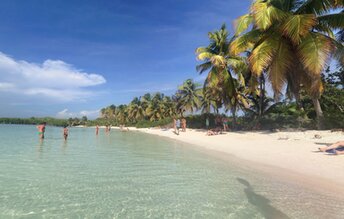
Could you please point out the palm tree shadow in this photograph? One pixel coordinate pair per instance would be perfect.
(262, 203)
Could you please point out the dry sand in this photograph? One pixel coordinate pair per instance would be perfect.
(293, 153)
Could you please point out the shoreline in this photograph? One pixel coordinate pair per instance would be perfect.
(290, 156)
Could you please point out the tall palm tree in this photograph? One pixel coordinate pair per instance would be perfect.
(190, 96)
(292, 40)
(209, 101)
(221, 64)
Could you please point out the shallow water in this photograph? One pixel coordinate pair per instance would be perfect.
(135, 175)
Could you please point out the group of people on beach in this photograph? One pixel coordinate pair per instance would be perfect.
(179, 123)
(221, 125)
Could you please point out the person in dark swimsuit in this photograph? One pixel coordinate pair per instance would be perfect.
(335, 147)
(65, 133)
(41, 130)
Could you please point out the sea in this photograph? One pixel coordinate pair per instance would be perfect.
(137, 175)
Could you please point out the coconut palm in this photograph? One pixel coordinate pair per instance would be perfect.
(122, 114)
(259, 106)
(292, 41)
(221, 66)
(189, 95)
(135, 110)
(155, 107)
(210, 100)
(169, 107)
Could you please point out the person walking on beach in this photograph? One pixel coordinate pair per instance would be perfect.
(335, 146)
(174, 125)
(207, 123)
(41, 130)
(97, 129)
(183, 124)
(177, 126)
(65, 133)
(225, 123)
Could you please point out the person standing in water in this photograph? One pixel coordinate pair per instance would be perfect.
(97, 129)
(65, 133)
(41, 130)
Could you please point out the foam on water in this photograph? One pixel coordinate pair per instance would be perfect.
(134, 175)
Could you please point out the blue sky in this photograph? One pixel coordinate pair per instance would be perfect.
(71, 58)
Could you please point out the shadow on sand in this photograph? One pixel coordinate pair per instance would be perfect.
(262, 203)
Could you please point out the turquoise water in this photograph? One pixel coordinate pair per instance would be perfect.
(135, 175)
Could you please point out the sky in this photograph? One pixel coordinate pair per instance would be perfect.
(71, 58)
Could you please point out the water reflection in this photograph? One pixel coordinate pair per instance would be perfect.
(262, 203)
(40, 148)
(64, 147)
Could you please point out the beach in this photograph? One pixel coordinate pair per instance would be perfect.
(293, 155)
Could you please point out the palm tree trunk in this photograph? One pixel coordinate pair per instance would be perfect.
(298, 102)
(319, 112)
(261, 96)
(234, 118)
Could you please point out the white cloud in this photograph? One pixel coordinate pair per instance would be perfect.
(91, 114)
(54, 79)
(6, 86)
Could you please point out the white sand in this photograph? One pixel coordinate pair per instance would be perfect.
(294, 152)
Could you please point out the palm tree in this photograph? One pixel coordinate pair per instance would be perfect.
(169, 107)
(259, 106)
(135, 110)
(220, 64)
(155, 108)
(190, 96)
(292, 40)
(209, 101)
(122, 114)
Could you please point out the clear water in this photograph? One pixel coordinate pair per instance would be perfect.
(135, 175)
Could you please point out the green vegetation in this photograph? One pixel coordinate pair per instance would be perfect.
(34, 121)
(48, 120)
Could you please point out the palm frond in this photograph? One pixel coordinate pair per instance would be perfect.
(204, 56)
(265, 14)
(324, 29)
(298, 26)
(280, 65)
(319, 6)
(314, 52)
(218, 60)
(244, 42)
(242, 23)
(334, 21)
(202, 49)
(339, 51)
(203, 67)
(261, 56)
